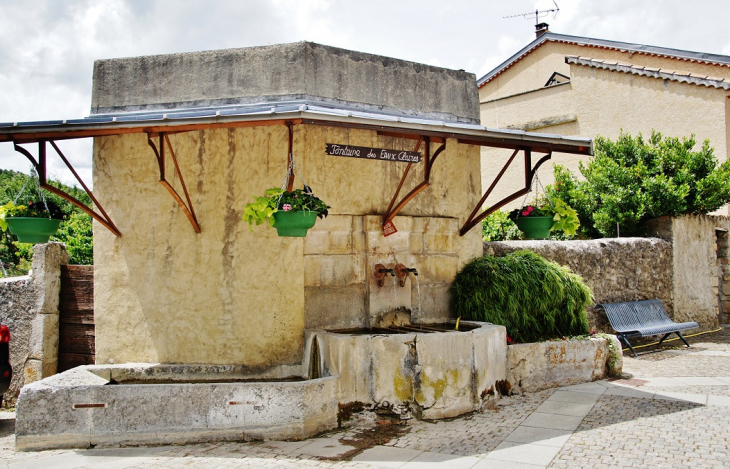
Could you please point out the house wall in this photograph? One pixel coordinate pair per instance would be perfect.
(231, 296)
(601, 102)
(534, 70)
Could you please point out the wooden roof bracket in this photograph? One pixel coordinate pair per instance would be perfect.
(160, 155)
(40, 167)
(428, 160)
(530, 171)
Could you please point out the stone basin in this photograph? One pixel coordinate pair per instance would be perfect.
(83, 407)
(423, 374)
(417, 374)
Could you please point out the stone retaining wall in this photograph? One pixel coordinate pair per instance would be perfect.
(616, 269)
(542, 365)
(29, 307)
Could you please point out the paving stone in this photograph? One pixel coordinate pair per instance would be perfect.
(552, 421)
(564, 408)
(428, 459)
(574, 397)
(630, 392)
(383, 456)
(524, 453)
(539, 436)
(681, 396)
(713, 400)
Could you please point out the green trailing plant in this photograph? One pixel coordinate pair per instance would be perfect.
(631, 180)
(534, 298)
(275, 199)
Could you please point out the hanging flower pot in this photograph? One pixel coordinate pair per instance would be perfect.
(535, 227)
(33, 230)
(294, 224)
(31, 223)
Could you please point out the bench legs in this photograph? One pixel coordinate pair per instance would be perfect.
(623, 338)
(678, 333)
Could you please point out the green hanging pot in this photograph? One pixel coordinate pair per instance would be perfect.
(534, 227)
(32, 230)
(294, 224)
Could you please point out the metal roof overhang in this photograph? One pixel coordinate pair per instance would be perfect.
(159, 125)
(29, 132)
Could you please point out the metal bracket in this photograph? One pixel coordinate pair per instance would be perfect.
(160, 155)
(40, 167)
(473, 220)
(428, 161)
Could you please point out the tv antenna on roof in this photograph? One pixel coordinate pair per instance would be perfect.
(538, 13)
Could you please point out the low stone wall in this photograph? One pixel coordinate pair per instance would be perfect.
(29, 307)
(541, 365)
(616, 269)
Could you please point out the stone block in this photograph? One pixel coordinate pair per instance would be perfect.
(440, 225)
(335, 307)
(415, 241)
(541, 365)
(490, 357)
(433, 304)
(436, 268)
(444, 373)
(331, 223)
(47, 261)
(439, 243)
(334, 270)
(393, 368)
(44, 338)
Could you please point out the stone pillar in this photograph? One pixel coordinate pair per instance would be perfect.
(42, 358)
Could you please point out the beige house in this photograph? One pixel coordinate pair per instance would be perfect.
(571, 85)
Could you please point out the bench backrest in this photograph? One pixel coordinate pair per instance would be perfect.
(636, 315)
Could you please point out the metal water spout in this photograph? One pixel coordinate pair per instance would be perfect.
(402, 273)
(380, 272)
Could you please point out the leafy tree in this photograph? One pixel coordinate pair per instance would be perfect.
(75, 230)
(631, 180)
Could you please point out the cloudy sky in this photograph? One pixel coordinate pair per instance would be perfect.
(48, 47)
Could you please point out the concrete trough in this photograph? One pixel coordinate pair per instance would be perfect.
(86, 406)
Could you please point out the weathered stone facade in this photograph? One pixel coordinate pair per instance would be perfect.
(616, 269)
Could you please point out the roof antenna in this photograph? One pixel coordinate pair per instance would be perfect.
(540, 28)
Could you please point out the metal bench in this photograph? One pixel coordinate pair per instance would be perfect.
(641, 319)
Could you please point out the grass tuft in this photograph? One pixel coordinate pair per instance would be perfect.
(534, 298)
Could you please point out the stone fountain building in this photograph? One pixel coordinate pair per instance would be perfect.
(184, 291)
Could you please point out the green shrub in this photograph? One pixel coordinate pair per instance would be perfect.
(631, 180)
(497, 226)
(534, 298)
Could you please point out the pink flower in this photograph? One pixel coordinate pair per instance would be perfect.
(530, 208)
(286, 207)
(525, 213)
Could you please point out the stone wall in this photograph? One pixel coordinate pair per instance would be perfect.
(616, 269)
(230, 295)
(283, 72)
(29, 307)
(340, 254)
(697, 259)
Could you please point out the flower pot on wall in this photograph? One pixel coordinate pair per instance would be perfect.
(294, 224)
(32, 230)
(534, 227)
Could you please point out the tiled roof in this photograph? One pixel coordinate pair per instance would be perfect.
(674, 75)
(701, 57)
